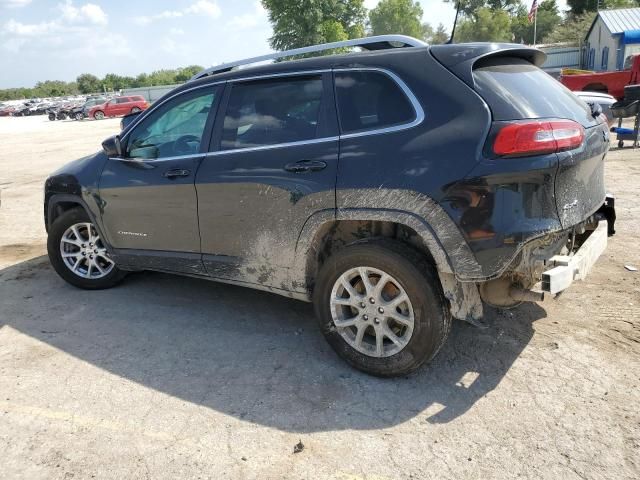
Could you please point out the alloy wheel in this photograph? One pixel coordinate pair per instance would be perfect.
(84, 253)
(372, 311)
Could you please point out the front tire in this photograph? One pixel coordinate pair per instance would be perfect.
(388, 329)
(78, 254)
(99, 115)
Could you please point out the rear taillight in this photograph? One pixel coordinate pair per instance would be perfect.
(535, 137)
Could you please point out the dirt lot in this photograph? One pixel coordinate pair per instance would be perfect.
(167, 377)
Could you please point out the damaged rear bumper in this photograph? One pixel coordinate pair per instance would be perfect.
(567, 269)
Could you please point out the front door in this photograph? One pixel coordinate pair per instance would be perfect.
(148, 196)
(273, 165)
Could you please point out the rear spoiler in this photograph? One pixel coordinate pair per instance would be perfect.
(460, 58)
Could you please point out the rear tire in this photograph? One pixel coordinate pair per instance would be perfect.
(412, 331)
(78, 247)
(52, 116)
(135, 110)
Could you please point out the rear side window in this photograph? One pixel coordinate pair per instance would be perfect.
(515, 89)
(271, 112)
(370, 101)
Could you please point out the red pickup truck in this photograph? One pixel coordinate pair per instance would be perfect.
(612, 83)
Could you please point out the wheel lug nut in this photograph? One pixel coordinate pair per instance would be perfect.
(362, 304)
(376, 321)
(372, 300)
(365, 317)
(380, 310)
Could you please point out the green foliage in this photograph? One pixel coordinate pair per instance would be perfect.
(485, 25)
(548, 20)
(470, 7)
(310, 22)
(88, 83)
(398, 17)
(49, 88)
(578, 7)
(573, 29)
(440, 36)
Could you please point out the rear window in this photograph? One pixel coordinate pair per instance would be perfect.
(369, 101)
(515, 89)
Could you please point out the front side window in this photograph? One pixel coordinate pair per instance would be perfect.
(174, 129)
(122, 100)
(370, 101)
(271, 112)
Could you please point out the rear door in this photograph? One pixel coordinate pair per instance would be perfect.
(148, 197)
(273, 164)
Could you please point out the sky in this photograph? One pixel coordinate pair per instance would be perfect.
(60, 39)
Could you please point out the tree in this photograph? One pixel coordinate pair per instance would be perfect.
(578, 7)
(547, 21)
(398, 17)
(573, 30)
(310, 22)
(470, 7)
(184, 74)
(88, 83)
(485, 25)
(440, 36)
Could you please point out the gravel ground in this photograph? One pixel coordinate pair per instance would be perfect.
(170, 377)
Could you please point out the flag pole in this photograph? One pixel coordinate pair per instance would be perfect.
(535, 25)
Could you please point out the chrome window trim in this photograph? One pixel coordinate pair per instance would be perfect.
(275, 145)
(151, 160)
(417, 108)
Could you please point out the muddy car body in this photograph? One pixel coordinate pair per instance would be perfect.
(396, 189)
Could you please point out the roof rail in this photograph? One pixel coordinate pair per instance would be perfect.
(379, 42)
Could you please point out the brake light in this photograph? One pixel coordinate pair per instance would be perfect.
(534, 137)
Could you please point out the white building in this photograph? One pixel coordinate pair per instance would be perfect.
(614, 36)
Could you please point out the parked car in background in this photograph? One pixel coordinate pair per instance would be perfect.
(119, 106)
(603, 99)
(612, 83)
(7, 110)
(82, 111)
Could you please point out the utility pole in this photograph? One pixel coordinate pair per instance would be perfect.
(535, 26)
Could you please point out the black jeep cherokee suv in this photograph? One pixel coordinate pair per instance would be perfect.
(396, 188)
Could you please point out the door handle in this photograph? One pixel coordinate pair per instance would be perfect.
(305, 166)
(176, 172)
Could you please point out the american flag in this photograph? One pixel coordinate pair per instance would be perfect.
(532, 12)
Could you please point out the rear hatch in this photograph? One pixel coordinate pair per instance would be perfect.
(517, 91)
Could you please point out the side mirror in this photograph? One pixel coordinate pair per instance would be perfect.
(112, 146)
(596, 109)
